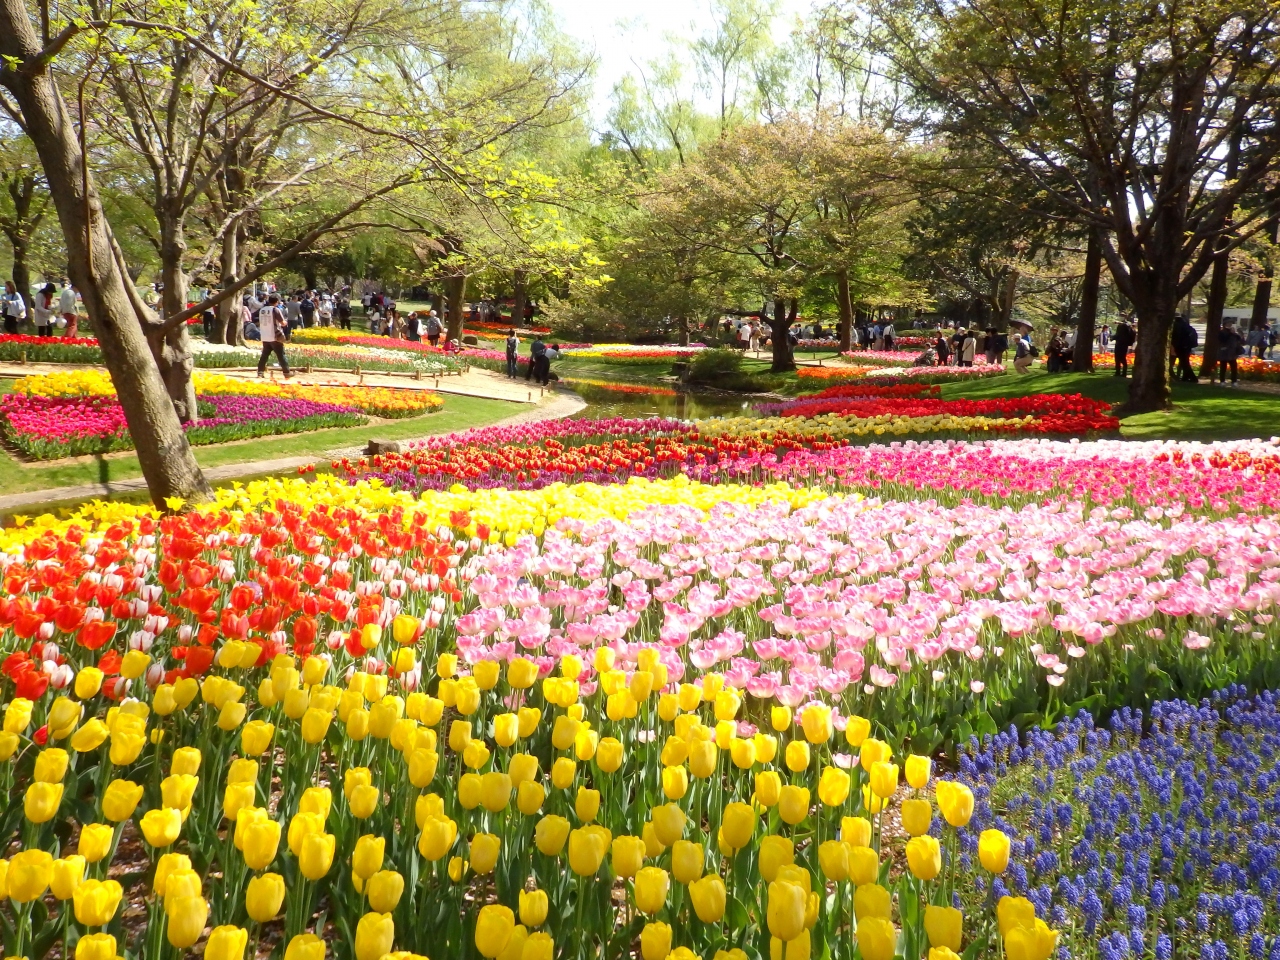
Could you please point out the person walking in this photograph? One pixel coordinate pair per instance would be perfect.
(1053, 352)
(293, 311)
(513, 349)
(537, 356)
(943, 350)
(889, 335)
(307, 308)
(344, 311)
(273, 329)
(1183, 340)
(1124, 340)
(434, 328)
(968, 349)
(1023, 354)
(744, 336)
(1104, 336)
(1230, 346)
(325, 309)
(43, 309)
(15, 308)
(68, 310)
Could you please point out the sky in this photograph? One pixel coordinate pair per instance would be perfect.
(624, 33)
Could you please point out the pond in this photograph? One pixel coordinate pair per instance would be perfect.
(683, 405)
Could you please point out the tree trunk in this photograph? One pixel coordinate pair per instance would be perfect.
(1262, 292)
(21, 273)
(683, 322)
(224, 331)
(22, 191)
(519, 293)
(1082, 361)
(845, 303)
(173, 350)
(168, 465)
(1008, 292)
(1149, 388)
(783, 359)
(455, 289)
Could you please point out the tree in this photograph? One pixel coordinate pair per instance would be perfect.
(23, 204)
(94, 260)
(1120, 112)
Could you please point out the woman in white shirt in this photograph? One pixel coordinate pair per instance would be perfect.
(968, 349)
(43, 310)
(14, 307)
(68, 309)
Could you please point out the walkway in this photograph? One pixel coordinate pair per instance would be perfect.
(555, 405)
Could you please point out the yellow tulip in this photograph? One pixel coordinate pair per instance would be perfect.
(627, 856)
(422, 767)
(864, 865)
(95, 901)
(166, 866)
(955, 800)
(522, 673)
(587, 847)
(51, 765)
(237, 797)
(494, 928)
(742, 753)
(529, 798)
(177, 790)
(357, 724)
(316, 856)
(28, 875)
(226, 943)
(833, 787)
(41, 801)
(917, 815)
(529, 718)
(470, 790)
(181, 882)
(437, 837)
(232, 715)
(1036, 942)
(562, 773)
(550, 834)
(89, 737)
(884, 779)
(872, 752)
(305, 946)
(366, 859)
(856, 730)
(739, 824)
(793, 804)
(655, 941)
(917, 770)
(942, 953)
(993, 851)
(187, 917)
(651, 885)
(522, 768)
(264, 896)
(797, 756)
(384, 890)
(780, 718)
(816, 722)
(944, 926)
(533, 907)
(1012, 912)
(96, 946)
(786, 910)
(539, 946)
(775, 853)
(68, 873)
(609, 755)
(483, 851)
(856, 831)
(587, 804)
(703, 755)
(161, 826)
(709, 897)
(564, 732)
(255, 737)
(833, 858)
(871, 900)
(17, 715)
(924, 857)
(317, 801)
(95, 841)
(375, 933)
(88, 682)
(457, 869)
(768, 788)
(363, 801)
(315, 725)
(877, 939)
(675, 782)
(668, 823)
(687, 861)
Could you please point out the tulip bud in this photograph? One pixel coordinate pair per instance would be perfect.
(264, 896)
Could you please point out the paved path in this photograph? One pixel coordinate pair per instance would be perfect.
(556, 405)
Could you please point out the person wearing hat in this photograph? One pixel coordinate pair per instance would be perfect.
(43, 310)
(1230, 346)
(68, 310)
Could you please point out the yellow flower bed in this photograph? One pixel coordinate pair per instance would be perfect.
(837, 425)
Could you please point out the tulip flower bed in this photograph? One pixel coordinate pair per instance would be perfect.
(15, 346)
(614, 386)
(1152, 837)
(879, 358)
(915, 374)
(383, 355)
(660, 719)
(629, 353)
(76, 413)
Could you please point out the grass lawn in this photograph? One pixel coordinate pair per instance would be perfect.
(458, 413)
(1200, 412)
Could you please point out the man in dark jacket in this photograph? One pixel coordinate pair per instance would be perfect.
(1184, 339)
(1230, 346)
(1123, 341)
